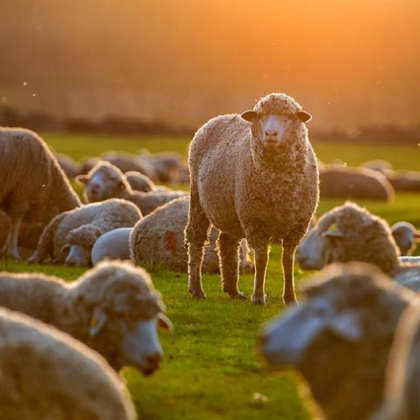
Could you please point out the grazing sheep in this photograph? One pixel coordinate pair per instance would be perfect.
(159, 241)
(107, 181)
(257, 181)
(113, 245)
(340, 337)
(403, 384)
(346, 182)
(70, 167)
(406, 236)
(139, 182)
(31, 181)
(350, 233)
(112, 308)
(404, 181)
(70, 236)
(46, 374)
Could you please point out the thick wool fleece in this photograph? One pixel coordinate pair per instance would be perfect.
(82, 225)
(46, 374)
(352, 387)
(247, 190)
(121, 290)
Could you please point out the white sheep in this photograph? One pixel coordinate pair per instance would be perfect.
(340, 337)
(113, 245)
(158, 240)
(31, 182)
(107, 181)
(70, 236)
(46, 374)
(112, 308)
(257, 181)
(350, 233)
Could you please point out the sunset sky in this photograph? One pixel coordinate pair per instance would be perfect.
(349, 63)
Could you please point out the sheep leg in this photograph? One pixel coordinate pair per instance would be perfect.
(228, 250)
(261, 261)
(288, 259)
(196, 237)
(13, 250)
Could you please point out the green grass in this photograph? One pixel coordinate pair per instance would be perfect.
(212, 368)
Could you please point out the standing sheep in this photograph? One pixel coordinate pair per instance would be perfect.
(350, 233)
(105, 181)
(257, 181)
(31, 181)
(70, 236)
(158, 239)
(113, 308)
(340, 338)
(45, 374)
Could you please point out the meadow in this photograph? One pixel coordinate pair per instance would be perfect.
(212, 369)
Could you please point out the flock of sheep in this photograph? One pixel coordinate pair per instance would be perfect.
(254, 180)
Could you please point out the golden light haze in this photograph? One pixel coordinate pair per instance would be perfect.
(350, 63)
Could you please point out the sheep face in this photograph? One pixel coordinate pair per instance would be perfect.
(405, 236)
(77, 256)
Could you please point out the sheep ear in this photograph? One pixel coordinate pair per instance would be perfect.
(121, 185)
(347, 325)
(97, 321)
(164, 322)
(304, 116)
(82, 179)
(249, 116)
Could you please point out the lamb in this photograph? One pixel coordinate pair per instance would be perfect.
(113, 245)
(340, 337)
(406, 236)
(257, 181)
(350, 233)
(346, 182)
(112, 308)
(31, 181)
(107, 181)
(158, 240)
(402, 385)
(46, 374)
(70, 236)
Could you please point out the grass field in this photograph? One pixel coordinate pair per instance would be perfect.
(212, 369)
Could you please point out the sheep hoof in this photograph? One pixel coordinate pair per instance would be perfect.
(237, 295)
(198, 294)
(289, 300)
(258, 300)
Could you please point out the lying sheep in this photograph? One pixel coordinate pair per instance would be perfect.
(257, 181)
(70, 236)
(340, 338)
(346, 182)
(107, 181)
(159, 241)
(406, 236)
(403, 373)
(45, 374)
(350, 233)
(139, 182)
(112, 308)
(31, 181)
(404, 181)
(113, 245)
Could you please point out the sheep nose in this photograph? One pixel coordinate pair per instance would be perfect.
(271, 133)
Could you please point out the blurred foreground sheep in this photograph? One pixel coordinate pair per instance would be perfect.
(45, 374)
(340, 338)
(113, 308)
(253, 176)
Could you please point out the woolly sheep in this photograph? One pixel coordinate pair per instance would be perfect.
(159, 241)
(113, 308)
(70, 236)
(113, 245)
(139, 182)
(346, 182)
(257, 181)
(31, 181)
(406, 236)
(46, 374)
(106, 181)
(340, 337)
(404, 181)
(350, 233)
(403, 373)
(168, 165)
